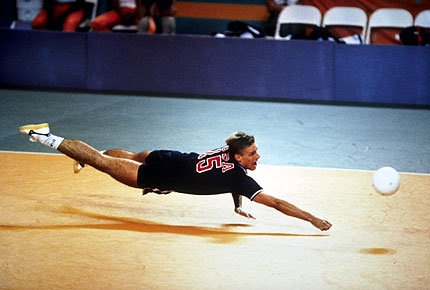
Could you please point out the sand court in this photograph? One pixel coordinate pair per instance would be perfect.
(60, 230)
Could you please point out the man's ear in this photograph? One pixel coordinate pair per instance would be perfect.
(237, 157)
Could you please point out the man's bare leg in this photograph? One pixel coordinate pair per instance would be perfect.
(123, 170)
(120, 153)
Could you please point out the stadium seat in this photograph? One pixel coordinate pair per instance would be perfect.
(298, 14)
(423, 19)
(388, 18)
(346, 16)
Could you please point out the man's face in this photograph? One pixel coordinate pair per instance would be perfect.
(248, 158)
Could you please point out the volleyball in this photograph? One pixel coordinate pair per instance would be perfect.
(386, 180)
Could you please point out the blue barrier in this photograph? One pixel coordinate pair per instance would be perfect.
(209, 66)
(382, 74)
(216, 67)
(42, 59)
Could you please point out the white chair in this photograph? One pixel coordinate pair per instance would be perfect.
(346, 16)
(423, 19)
(389, 18)
(298, 14)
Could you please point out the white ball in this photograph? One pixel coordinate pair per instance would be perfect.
(386, 180)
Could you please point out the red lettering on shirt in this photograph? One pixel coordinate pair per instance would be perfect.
(218, 161)
(226, 166)
(209, 163)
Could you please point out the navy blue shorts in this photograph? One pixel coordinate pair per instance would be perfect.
(164, 169)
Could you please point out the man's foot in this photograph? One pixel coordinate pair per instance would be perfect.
(37, 132)
(77, 166)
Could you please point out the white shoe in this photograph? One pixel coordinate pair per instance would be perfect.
(37, 132)
(77, 166)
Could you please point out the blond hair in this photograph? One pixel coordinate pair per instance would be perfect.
(238, 141)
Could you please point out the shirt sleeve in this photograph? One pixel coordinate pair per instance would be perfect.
(247, 187)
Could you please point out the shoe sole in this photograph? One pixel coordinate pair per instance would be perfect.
(26, 129)
(77, 167)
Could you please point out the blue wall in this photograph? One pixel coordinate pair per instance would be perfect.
(206, 66)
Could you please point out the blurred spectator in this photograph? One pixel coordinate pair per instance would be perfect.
(274, 7)
(124, 12)
(162, 12)
(63, 15)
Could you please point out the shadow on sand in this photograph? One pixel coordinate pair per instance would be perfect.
(220, 235)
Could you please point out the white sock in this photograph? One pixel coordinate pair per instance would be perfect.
(50, 141)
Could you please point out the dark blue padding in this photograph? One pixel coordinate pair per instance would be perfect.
(393, 74)
(216, 67)
(210, 66)
(42, 59)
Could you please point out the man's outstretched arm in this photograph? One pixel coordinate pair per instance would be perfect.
(291, 210)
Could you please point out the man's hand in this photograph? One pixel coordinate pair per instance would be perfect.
(321, 224)
(240, 211)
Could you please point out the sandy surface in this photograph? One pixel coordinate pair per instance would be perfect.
(59, 230)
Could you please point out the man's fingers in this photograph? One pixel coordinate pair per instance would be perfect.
(240, 211)
(251, 216)
(325, 225)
